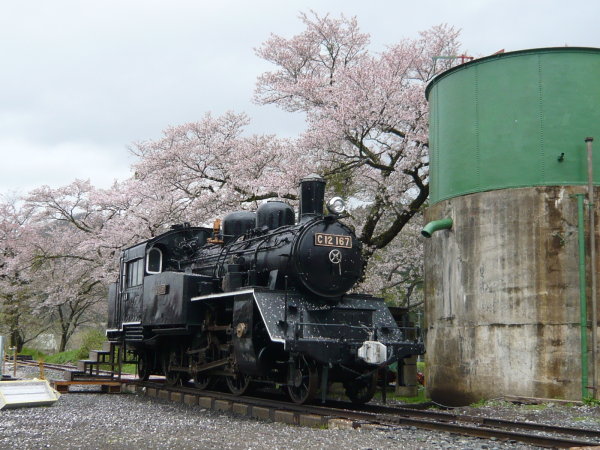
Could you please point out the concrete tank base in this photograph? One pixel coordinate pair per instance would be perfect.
(502, 296)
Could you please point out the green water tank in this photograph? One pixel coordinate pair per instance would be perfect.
(514, 120)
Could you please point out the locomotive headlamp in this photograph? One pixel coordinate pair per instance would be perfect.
(336, 206)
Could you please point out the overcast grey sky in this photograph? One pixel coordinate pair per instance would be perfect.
(82, 80)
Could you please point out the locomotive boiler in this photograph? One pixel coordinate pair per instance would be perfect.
(260, 299)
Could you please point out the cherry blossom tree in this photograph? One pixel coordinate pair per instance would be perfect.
(396, 271)
(16, 314)
(366, 114)
(199, 171)
(60, 257)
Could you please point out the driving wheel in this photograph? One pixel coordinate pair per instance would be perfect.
(203, 379)
(172, 377)
(238, 384)
(362, 389)
(303, 380)
(144, 366)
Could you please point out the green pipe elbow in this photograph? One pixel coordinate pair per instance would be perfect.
(436, 225)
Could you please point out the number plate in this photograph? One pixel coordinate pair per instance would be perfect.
(333, 240)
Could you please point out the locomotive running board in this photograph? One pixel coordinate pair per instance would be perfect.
(286, 315)
(221, 294)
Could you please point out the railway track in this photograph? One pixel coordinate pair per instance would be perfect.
(386, 416)
(393, 416)
(60, 367)
(484, 421)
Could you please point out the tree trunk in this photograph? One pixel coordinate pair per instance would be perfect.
(16, 340)
(63, 342)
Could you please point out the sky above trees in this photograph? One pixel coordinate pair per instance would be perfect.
(82, 81)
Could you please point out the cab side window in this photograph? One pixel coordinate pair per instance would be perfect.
(154, 260)
(135, 272)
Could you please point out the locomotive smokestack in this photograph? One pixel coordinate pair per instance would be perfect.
(312, 196)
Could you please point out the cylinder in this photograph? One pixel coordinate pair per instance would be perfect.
(507, 155)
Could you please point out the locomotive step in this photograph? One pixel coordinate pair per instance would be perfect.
(108, 346)
(99, 355)
(84, 365)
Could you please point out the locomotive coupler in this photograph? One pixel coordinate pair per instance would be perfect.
(373, 352)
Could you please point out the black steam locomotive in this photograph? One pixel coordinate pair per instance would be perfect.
(260, 299)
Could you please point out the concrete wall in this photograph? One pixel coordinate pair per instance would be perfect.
(502, 296)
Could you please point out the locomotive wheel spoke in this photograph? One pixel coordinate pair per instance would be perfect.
(303, 380)
(172, 378)
(238, 384)
(202, 381)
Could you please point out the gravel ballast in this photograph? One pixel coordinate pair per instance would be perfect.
(93, 420)
(127, 420)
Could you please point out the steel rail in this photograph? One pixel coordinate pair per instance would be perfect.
(487, 421)
(63, 367)
(388, 416)
(60, 367)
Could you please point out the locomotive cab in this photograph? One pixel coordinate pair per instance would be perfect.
(141, 268)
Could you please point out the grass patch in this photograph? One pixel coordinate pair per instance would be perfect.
(591, 401)
(35, 354)
(585, 419)
(129, 368)
(479, 404)
(419, 398)
(125, 368)
(69, 356)
(92, 340)
(538, 407)
(73, 356)
(492, 402)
